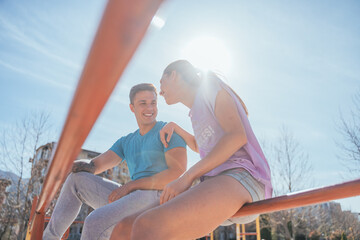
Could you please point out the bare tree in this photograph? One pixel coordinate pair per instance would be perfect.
(291, 171)
(17, 145)
(350, 130)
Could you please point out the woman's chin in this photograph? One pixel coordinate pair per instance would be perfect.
(170, 103)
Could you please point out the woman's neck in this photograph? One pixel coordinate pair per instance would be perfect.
(189, 94)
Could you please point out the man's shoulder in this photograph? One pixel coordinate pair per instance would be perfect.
(130, 135)
(160, 124)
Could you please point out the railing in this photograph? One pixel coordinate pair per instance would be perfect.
(303, 198)
(121, 29)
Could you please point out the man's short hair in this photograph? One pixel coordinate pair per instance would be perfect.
(141, 87)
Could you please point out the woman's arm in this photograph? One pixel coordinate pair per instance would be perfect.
(234, 138)
(169, 130)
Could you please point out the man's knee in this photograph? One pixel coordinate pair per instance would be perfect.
(75, 178)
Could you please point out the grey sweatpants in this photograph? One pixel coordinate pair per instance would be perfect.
(93, 190)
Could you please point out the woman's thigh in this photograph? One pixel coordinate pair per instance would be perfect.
(193, 213)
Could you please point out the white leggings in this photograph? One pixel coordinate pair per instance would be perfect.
(93, 190)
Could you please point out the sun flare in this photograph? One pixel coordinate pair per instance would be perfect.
(208, 53)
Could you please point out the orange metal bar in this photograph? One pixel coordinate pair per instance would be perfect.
(238, 236)
(243, 236)
(37, 226)
(122, 27)
(32, 212)
(258, 237)
(293, 200)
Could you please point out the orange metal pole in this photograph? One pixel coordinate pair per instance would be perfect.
(122, 27)
(238, 233)
(258, 228)
(32, 212)
(293, 200)
(243, 232)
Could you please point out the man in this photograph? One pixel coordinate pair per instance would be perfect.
(151, 167)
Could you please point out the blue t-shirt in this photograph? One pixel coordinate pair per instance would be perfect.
(145, 155)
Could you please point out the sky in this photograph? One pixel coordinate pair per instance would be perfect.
(294, 63)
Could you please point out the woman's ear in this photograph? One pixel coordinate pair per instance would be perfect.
(173, 75)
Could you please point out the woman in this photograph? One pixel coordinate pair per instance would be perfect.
(233, 168)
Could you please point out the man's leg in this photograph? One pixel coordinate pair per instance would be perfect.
(79, 188)
(100, 223)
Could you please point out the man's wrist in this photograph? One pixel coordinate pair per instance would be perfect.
(130, 187)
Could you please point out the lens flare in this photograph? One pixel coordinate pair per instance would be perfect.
(208, 53)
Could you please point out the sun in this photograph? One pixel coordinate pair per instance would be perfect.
(208, 53)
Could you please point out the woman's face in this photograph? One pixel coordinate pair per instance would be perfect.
(168, 87)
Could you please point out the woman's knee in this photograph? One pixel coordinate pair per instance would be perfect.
(145, 227)
(123, 229)
(141, 228)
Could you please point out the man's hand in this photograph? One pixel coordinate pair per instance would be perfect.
(120, 192)
(83, 165)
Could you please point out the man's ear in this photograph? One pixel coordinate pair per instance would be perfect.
(131, 107)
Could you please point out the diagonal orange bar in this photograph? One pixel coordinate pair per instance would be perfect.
(304, 198)
(121, 29)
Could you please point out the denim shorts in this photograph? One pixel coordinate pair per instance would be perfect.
(255, 188)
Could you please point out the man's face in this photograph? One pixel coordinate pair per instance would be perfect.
(145, 107)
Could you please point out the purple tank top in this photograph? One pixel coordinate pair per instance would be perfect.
(208, 132)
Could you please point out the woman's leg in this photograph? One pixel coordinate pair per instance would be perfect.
(193, 213)
(123, 229)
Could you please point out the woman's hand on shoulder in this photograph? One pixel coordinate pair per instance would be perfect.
(166, 133)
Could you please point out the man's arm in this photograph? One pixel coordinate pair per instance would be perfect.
(176, 161)
(97, 165)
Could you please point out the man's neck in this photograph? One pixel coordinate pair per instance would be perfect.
(144, 129)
